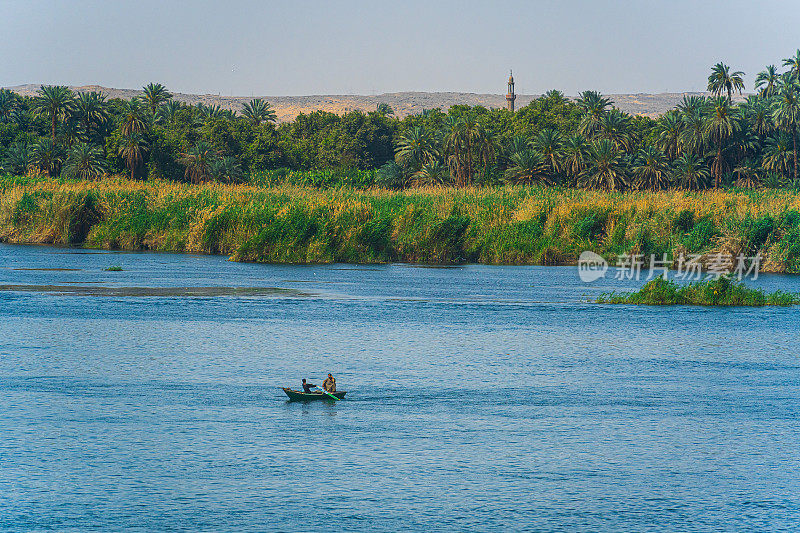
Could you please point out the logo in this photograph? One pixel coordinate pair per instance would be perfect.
(591, 266)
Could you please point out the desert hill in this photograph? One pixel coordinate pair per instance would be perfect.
(403, 103)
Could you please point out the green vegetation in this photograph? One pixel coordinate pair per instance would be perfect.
(554, 140)
(114, 268)
(300, 224)
(722, 291)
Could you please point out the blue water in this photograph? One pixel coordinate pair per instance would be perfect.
(479, 399)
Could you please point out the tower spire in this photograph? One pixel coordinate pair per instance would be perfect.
(510, 96)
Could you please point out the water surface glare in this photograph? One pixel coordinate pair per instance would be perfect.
(479, 399)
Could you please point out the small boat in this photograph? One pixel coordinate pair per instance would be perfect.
(297, 396)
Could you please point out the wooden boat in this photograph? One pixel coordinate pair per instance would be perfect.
(297, 396)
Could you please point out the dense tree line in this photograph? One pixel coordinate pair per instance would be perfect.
(704, 142)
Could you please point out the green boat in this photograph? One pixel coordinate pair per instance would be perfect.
(297, 396)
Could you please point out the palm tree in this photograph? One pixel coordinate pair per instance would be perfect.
(433, 173)
(48, 157)
(8, 102)
(778, 154)
(651, 169)
(527, 166)
(18, 158)
(464, 138)
(415, 148)
(91, 111)
(384, 109)
(794, 65)
(616, 127)
(575, 151)
(210, 111)
(748, 175)
(692, 136)
(258, 111)
(548, 144)
(53, 103)
(198, 162)
(133, 117)
(168, 112)
(155, 94)
(721, 79)
(767, 81)
(786, 114)
(758, 111)
(669, 128)
(228, 169)
(593, 105)
(132, 148)
(691, 172)
(721, 124)
(85, 162)
(605, 169)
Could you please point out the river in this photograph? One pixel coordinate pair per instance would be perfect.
(479, 399)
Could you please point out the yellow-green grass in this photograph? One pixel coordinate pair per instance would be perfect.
(503, 225)
(722, 291)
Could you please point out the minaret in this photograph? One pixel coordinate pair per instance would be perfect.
(510, 96)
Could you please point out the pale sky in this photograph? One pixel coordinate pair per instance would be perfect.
(339, 47)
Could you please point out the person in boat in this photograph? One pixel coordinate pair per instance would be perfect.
(308, 386)
(329, 384)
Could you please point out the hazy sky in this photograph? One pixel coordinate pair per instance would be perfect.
(335, 47)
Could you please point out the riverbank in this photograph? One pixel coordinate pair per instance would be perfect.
(507, 225)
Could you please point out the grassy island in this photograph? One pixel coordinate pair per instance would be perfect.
(722, 291)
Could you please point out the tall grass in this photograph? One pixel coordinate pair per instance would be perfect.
(278, 222)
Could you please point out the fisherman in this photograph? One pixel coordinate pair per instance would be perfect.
(307, 386)
(329, 384)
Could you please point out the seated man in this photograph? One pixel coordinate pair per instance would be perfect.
(307, 386)
(329, 384)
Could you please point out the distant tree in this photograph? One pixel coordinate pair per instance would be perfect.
(132, 148)
(722, 80)
(778, 154)
(691, 172)
(593, 106)
(133, 119)
(431, 174)
(670, 128)
(168, 111)
(53, 103)
(48, 157)
(605, 169)
(257, 111)
(415, 148)
(527, 167)
(85, 162)
(767, 81)
(384, 109)
(548, 144)
(155, 94)
(198, 162)
(651, 169)
(794, 66)
(227, 169)
(616, 127)
(18, 158)
(575, 151)
(786, 114)
(721, 124)
(748, 175)
(91, 111)
(8, 102)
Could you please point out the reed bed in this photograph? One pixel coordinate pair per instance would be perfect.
(303, 224)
